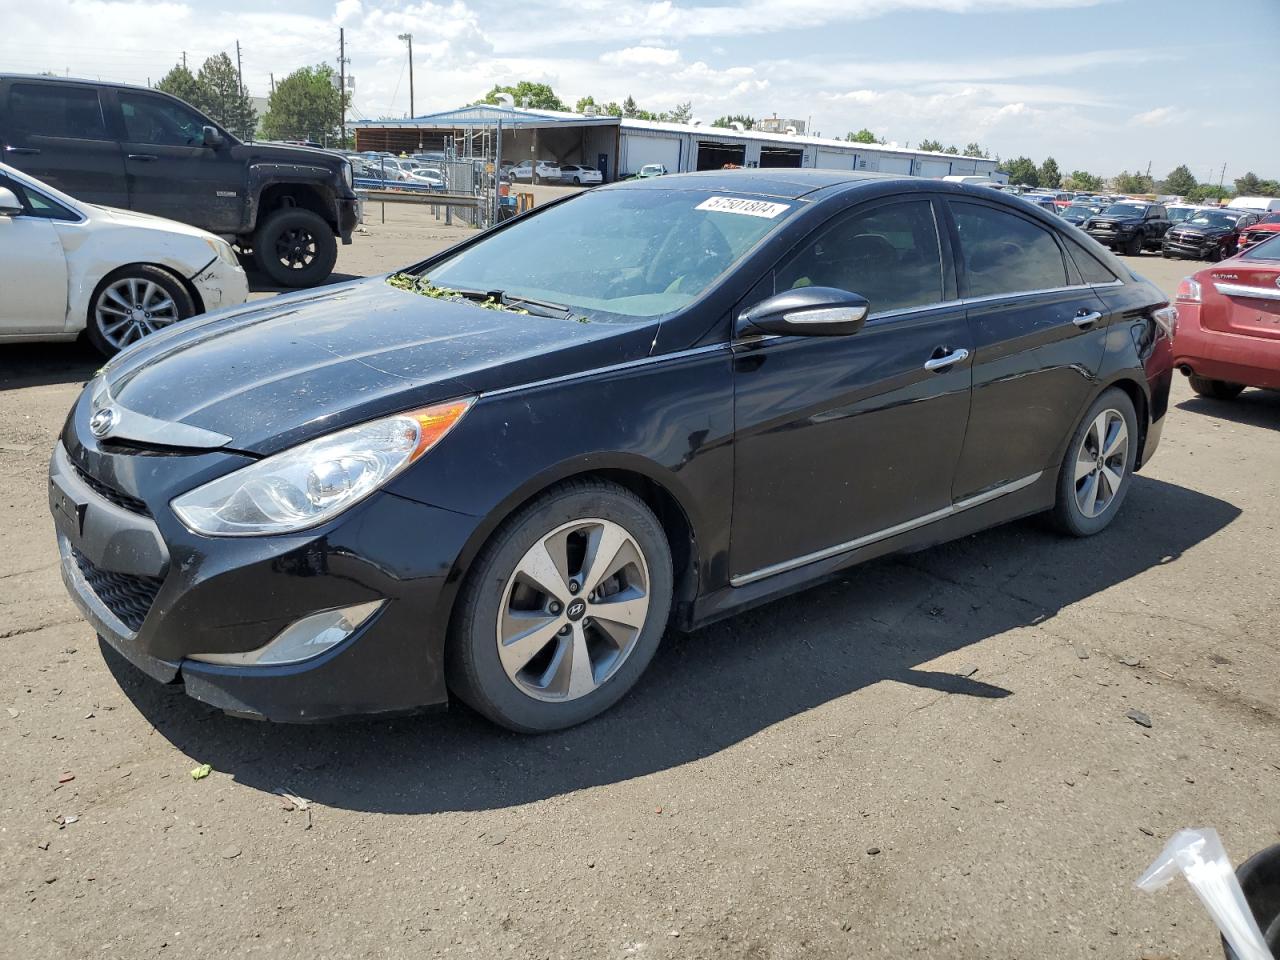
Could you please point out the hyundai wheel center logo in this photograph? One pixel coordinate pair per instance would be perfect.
(100, 423)
(576, 609)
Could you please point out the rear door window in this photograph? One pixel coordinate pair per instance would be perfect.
(1091, 268)
(68, 111)
(890, 255)
(1005, 254)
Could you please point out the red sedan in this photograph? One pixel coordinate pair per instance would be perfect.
(1228, 333)
(1264, 229)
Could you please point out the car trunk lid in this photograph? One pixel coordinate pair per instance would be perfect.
(1244, 298)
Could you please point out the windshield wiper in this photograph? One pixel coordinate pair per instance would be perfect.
(542, 308)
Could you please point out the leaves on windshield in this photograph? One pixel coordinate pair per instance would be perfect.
(425, 288)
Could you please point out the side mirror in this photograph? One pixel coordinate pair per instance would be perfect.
(809, 312)
(212, 138)
(10, 205)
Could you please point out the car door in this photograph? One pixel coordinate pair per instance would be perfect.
(171, 173)
(842, 439)
(1039, 334)
(58, 133)
(33, 266)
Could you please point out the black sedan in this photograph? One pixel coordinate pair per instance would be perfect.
(503, 472)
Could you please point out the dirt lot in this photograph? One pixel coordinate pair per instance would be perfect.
(930, 757)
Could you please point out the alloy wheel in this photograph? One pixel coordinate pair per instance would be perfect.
(130, 308)
(296, 248)
(1101, 460)
(573, 609)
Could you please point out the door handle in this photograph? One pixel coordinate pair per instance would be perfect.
(143, 156)
(934, 364)
(1085, 319)
(21, 150)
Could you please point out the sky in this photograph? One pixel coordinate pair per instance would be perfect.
(1100, 85)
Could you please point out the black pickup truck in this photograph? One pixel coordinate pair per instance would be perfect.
(1129, 227)
(139, 149)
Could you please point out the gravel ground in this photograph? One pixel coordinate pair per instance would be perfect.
(930, 756)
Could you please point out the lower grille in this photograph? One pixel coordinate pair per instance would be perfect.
(127, 596)
(111, 494)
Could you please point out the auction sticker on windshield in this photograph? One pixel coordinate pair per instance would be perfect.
(751, 208)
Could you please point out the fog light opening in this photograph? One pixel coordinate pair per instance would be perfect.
(301, 640)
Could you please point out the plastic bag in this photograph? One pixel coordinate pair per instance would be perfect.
(1200, 857)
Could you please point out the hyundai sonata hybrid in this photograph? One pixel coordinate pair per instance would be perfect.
(503, 472)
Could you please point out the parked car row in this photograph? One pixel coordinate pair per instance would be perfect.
(550, 171)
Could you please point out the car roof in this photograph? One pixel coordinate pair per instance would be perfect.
(790, 183)
(81, 81)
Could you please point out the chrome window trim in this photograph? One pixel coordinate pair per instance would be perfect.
(866, 540)
(612, 368)
(1243, 290)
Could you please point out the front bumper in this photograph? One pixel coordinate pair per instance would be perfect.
(1109, 238)
(221, 284)
(1185, 248)
(348, 212)
(158, 593)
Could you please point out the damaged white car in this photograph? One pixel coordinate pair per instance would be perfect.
(68, 267)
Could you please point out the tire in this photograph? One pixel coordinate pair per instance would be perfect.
(541, 696)
(295, 247)
(1215, 389)
(1133, 248)
(1073, 513)
(578, 181)
(132, 302)
(1220, 252)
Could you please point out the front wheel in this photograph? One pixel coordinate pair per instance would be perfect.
(562, 610)
(1220, 252)
(133, 302)
(1133, 247)
(1097, 470)
(295, 247)
(1216, 389)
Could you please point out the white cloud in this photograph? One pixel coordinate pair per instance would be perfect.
(641, 57)
(1157, 117)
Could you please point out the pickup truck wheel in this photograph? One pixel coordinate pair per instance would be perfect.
(295, 247)
(1221, 252)
(133, 302)
(1217, 389)
(1133, 247)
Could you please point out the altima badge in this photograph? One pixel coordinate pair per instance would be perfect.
(100, 423)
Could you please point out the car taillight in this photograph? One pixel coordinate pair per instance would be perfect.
(1188, 291)
(1167, 318)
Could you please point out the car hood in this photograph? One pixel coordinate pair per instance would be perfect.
(1200, 230)
(143, 221)
(1125, 221)
(278, 372)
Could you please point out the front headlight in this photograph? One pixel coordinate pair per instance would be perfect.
(317, 480)
(346, 171)
(222, 250)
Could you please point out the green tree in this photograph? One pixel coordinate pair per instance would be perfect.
(1180, 181)
(953, 150)
(1249, 185)
(583, 103)
(1082, 180)
(224, 100)
(526, 93)
(1050, 175)
(1126, 182)
(613, 108)
(862, 136)
(1022, 170)
(681, 113)
(728, 121)
(182, 83)
(975, 150)
(1209, 191)
(629, 107)
(304, 106)
(931, 146)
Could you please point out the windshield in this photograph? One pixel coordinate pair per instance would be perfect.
(1266, 250)
(1178, 214)
(617, 255)
(1213, 218)
(1125, 210)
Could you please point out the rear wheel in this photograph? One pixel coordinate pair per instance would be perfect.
(132, 302)
(562, 610)
(1217, 389)
(295, 247)
(1095, 474)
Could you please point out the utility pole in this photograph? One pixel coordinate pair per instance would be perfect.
(408, 38)
(184, 59)
(342, 86)
(239, 74)
(1222, 176)
(273, 82)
